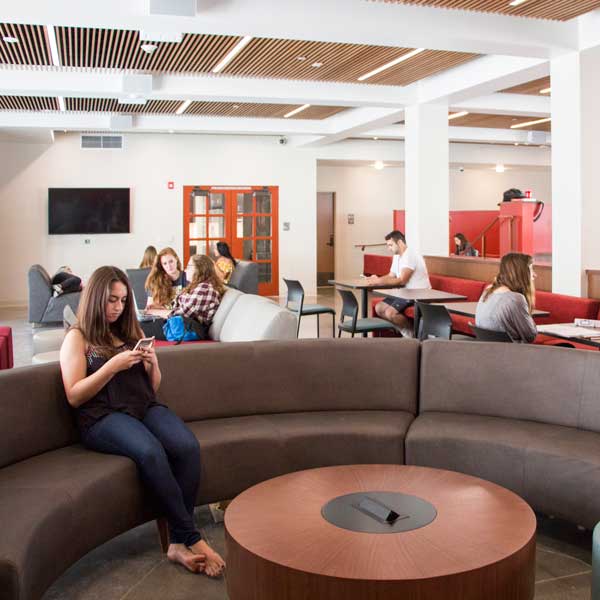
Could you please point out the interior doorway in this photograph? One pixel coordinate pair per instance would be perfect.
(325, 237)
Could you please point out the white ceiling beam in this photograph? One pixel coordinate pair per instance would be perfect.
(506, 104)
(70, 82)
(349, 21)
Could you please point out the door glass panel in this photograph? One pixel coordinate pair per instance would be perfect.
(216, 227)
(263, 202)
(198, 227)
(247, 251)
(198, 202)
(264, 272)
(212, 248)
(216, 204)
(244, 203)
(263, 226)
(197, 247)
(263, 249)
(247, 230)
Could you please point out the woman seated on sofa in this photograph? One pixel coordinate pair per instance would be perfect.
(112, 388)
(165, 281)
(225, 263)
(148, 258)
(507, 303)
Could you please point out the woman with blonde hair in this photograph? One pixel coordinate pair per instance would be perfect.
(506, 305)
(166, 280)
(112, 386)
(148, 258)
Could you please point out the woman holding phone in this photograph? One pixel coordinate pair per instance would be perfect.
(112, 387)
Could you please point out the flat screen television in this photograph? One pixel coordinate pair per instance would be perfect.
(88, 210)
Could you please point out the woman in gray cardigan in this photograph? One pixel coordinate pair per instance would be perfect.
(506, 305)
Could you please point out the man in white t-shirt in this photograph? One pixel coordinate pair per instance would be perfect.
(409, 271)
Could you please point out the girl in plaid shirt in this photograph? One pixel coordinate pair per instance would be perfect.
(201, 298)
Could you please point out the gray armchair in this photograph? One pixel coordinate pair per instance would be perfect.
(43, 307)
(245, 277)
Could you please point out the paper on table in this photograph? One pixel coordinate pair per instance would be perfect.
(568, 330)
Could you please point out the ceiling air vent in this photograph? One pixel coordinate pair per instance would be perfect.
(102, 141)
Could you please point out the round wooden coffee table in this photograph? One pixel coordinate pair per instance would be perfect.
(479, 545)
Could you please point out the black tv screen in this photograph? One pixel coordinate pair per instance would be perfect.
(88, 210)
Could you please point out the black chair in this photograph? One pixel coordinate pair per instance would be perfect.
(356, 325)
(137, 278)
(295, 298)
(435, 321)
(488, 335)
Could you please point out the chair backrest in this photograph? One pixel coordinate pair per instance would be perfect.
(488, 335)
(40, 292)
(137, 278)
(435, 322)
(295, 295)
(69, 317)
(349, 307)
(245, 277)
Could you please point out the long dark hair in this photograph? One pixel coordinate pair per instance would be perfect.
(515, 274)
(91, 314)
(223, 250)
(464, 242)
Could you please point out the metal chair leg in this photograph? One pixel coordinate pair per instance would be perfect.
(318, 331)
(298, 328)
(333, 325)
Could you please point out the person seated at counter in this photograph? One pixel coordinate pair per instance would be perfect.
(463, 246)
(507, 303)
(408, 270)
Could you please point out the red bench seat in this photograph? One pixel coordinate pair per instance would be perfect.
(6, 348)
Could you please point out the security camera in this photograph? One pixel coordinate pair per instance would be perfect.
(283, 140)
(461, 169)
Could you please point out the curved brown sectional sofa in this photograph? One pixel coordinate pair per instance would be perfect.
(527, 418)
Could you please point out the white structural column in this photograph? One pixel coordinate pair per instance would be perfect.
(575, 170)
(427, 178)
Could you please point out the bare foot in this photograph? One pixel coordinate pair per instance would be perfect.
(192, 561)
(214, 563)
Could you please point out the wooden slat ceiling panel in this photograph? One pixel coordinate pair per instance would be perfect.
(112, 105)
(531, 87)
(497, 122)
(269, 111)
(31, 49)
(28, 103)
(557, 10)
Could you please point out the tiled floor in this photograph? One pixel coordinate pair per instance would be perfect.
(131, 567)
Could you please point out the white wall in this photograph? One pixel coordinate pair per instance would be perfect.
(145, 165)
(372, 195)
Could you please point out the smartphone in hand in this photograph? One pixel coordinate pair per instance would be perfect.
(144, 343)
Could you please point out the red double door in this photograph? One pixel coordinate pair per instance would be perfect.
(245, 218)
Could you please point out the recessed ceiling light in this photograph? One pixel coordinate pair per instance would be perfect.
(317, 65)
(375, 138)
(236, 106)
(183, 107)
(9, 39)
(378, 164)
(149, 48)
(457, 115)
(500, 168)
(516, 143)
(546, 90)
(232, 53)
(529, 123)
(296, 111)
(300, 57)
(53, 45)
(392, 63)
(517, 2)
(171, 131)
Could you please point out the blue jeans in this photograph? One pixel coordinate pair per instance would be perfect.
(167, 455)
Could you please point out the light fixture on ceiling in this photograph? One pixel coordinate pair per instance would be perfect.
(183, 107)
(530, 123)
(317, 65)
(235, 106)
(10, 39)
(546, 90)
(232, 53)
(457, 115)
(500, 168)
(53, 45)
(392, 63)
(149, 48)
(300, 57)
(171, 131)
(516, 143)
(517, 2)
(296, 111)
(61, 104)
(375, 138)
(379, 165)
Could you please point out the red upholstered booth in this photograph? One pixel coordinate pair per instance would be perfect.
(6, 348)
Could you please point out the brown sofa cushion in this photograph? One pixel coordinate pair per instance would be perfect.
(256, 378)
(557, 386)
(556, 469)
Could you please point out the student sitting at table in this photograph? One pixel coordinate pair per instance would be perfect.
(409, 271)
(506, 305)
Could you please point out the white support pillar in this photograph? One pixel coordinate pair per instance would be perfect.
(427, 178)
(575, 170)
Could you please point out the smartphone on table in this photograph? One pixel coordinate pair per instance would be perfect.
(144, 343)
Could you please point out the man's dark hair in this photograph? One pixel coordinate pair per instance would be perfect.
(396, 235)
(512, 194)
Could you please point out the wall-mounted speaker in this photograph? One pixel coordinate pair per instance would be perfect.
(178, 8)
